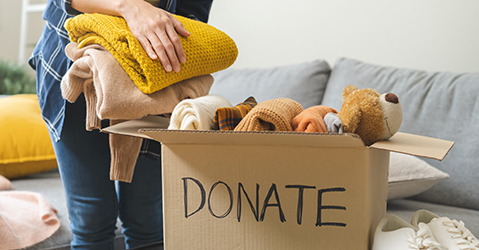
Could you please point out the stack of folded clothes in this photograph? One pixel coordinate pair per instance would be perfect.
(214, 112)
(120, 82)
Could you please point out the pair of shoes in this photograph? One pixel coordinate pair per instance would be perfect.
(451, 234)
(394, 233)
(427, 231)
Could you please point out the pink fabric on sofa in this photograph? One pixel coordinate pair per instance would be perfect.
(26, 218)
(5, 184)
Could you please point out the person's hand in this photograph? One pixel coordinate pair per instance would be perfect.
(157, 31)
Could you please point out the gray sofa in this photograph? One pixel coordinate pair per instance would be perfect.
(436, 104)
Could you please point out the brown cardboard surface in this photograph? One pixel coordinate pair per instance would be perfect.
(154, 127)
(343, 197)
(254, 138)
(416, 145)
(273, 190)
(132, 127)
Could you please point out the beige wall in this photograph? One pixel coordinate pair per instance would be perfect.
(10, 16)
(427, 34)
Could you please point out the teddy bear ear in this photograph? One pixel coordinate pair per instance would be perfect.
(348, 90)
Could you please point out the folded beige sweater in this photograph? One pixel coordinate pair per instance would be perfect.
(111, 94)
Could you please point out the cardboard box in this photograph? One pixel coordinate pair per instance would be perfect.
(269, 190)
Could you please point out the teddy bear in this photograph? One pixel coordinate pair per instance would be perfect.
(370, 115)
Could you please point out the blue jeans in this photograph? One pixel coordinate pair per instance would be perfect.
(94, 201)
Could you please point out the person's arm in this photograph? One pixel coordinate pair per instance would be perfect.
(155, 29)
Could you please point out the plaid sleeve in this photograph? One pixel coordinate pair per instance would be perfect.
(229, 117)
(66, 6)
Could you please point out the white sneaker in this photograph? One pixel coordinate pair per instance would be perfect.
(452, 234)
(394, 233)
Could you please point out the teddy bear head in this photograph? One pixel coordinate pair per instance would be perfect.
(370, 115)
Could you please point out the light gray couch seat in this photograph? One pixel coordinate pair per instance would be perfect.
(405, 208)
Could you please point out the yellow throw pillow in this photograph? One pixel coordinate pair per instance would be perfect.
(25, 146)
(207, 49)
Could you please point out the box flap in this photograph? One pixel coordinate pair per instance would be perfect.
(416, 145)
(131, 127)
(155, 127)
(266, 138)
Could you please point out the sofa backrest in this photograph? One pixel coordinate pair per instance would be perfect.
(303, 82)
(436, 104)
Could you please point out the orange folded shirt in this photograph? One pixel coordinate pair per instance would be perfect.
(312, 119)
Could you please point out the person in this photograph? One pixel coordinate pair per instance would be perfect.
(95, 202)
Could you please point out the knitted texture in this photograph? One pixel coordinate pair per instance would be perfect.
(198, 113)
(271, 115)
(110, 94)
(207, 49)
(124, 152)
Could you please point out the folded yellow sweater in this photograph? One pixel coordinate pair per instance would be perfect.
(207, 49)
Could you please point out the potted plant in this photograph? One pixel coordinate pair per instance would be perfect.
(15, 79)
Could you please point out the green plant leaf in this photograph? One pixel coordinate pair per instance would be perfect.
(15, 79)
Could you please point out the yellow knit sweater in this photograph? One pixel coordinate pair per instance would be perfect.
(207, 49)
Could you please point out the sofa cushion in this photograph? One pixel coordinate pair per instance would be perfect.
(435, 104)
(409, 175)
(304, 83)
(25, 146)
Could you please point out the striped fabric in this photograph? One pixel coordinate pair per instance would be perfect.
(227, 118)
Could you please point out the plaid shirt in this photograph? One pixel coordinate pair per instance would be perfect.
(50, 62)
(229, 117)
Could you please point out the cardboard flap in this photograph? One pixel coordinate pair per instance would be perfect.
(416, 145)
(267, 138)
(131, 127)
